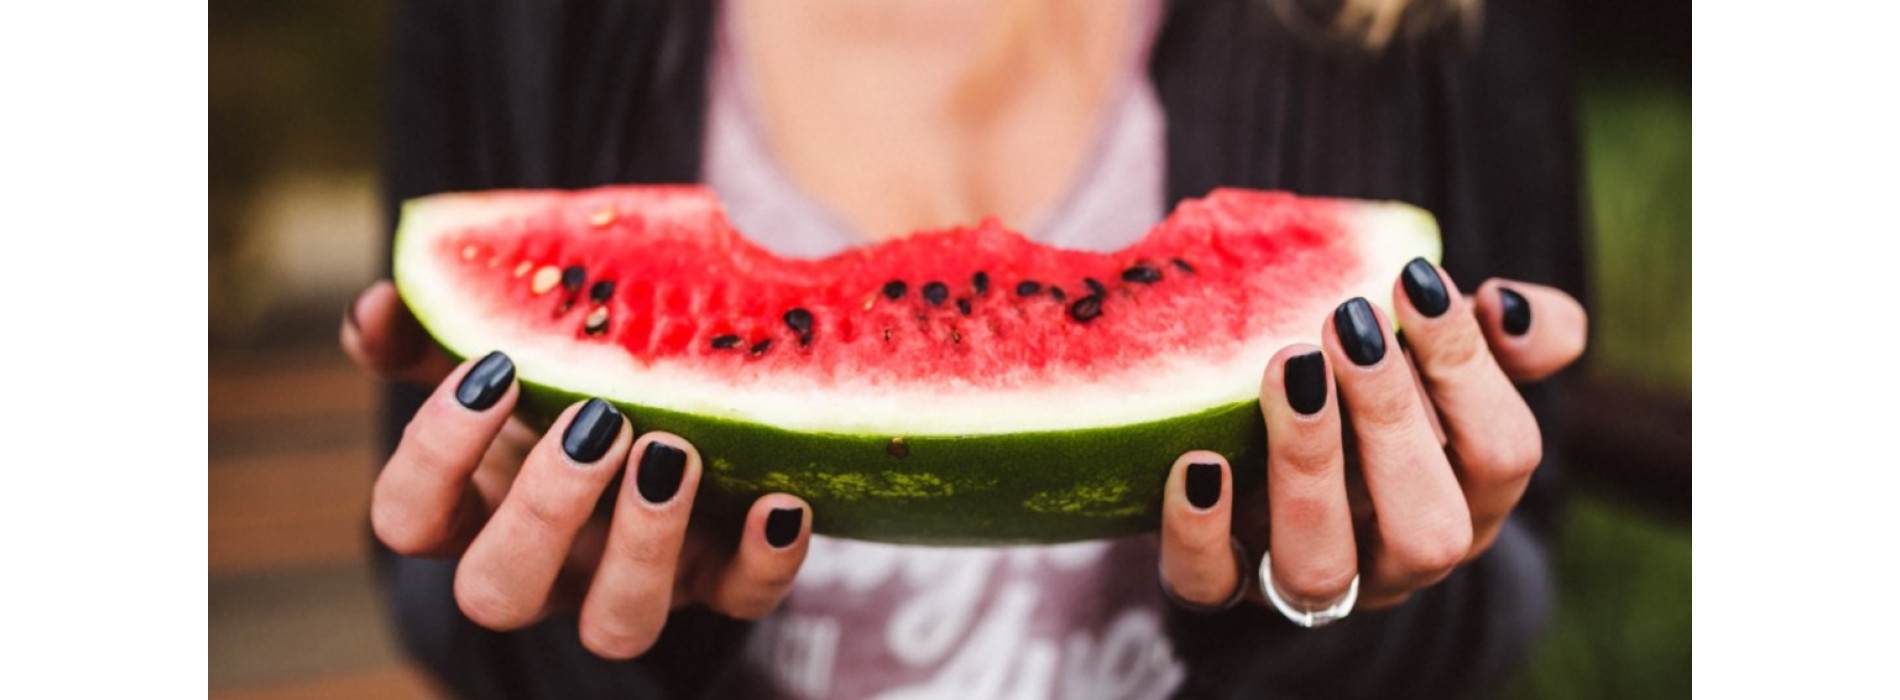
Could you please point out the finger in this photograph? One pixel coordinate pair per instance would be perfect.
(1197, 553)
(1423, 526)
(382, 336)
(1314, 554)
(1424, 397)
(770, 551)
(1535, 331)
(633, 590)
(504, 578)
(423, 503)
(1494, 440)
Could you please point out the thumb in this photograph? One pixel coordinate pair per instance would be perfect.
(382, 337)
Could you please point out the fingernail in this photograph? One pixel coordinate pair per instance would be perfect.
(661, 468)
(349, 315)
(592, 432)
(782, 526)
(1424, 287)
(1306, 382)
(1203, 485)
(486, 382)
(1359, 331)
(1517, 311)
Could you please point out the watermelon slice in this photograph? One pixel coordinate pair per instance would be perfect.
(954, 387)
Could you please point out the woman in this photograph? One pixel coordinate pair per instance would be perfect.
(829, 124)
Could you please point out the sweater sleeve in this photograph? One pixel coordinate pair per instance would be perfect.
(1475, 127)
(481, 95)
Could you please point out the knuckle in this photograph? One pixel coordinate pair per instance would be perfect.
(1451, 352)
(1388, 407)
(774, 584)
(1521, 457)
(490, 607)
(1510, 459)
(645, 552)
(617, 643)
(399, 532)
(1201, 590)
(1197, 543)
(543, 516)
(751, 606)
(1432, 557)
(1303, 512)
(1312, 455)
(428, 450)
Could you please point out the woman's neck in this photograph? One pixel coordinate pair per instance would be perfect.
(923, 113)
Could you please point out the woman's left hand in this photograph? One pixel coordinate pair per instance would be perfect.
(1443, 444)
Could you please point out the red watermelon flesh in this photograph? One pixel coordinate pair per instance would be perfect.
(648, 297)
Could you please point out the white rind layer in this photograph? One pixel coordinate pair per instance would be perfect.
(1392, 235)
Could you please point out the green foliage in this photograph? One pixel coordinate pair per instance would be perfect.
(1623, 624)
(1622, 627)
(1636, 149)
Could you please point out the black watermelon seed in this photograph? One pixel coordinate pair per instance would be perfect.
(725, 342)
(895, 289)
(573, 277)
(601, 291)
(1095, 286)
(1183, 265)
(596, 323)
(1086, 308)
(1142, 274)
(1028, 288)
(897, 448)
(963, 305)
(760, 347)
(1057, 293)
(799, 320)
(936, 292)
(981, 281)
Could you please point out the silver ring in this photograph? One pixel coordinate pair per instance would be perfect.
(1300, 616)
(1242, 571)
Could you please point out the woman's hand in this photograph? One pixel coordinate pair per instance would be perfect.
(520, 511)
(1444, 447)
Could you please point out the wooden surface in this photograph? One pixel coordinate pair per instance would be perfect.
(294, 611)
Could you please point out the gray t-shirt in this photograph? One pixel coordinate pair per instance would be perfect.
(870, 620)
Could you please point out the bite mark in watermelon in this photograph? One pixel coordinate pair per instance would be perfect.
(958, 386)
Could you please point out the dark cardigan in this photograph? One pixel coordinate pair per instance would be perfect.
(1476, 129)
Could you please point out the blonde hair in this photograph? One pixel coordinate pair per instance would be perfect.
(1373, 24)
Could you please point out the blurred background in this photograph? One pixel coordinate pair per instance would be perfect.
(295, 233)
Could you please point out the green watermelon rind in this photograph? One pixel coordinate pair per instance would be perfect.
(1058, 486)
(1045, 486)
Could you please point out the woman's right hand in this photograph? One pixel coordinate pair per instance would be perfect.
(520, 510)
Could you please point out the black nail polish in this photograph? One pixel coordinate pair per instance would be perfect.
(1517, 311)
(662, 467)
(1306, 382)
(1425, 288)
(1203, 485)
(593, 431)
(486, 382)
(1359, 332)
(782, 526)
